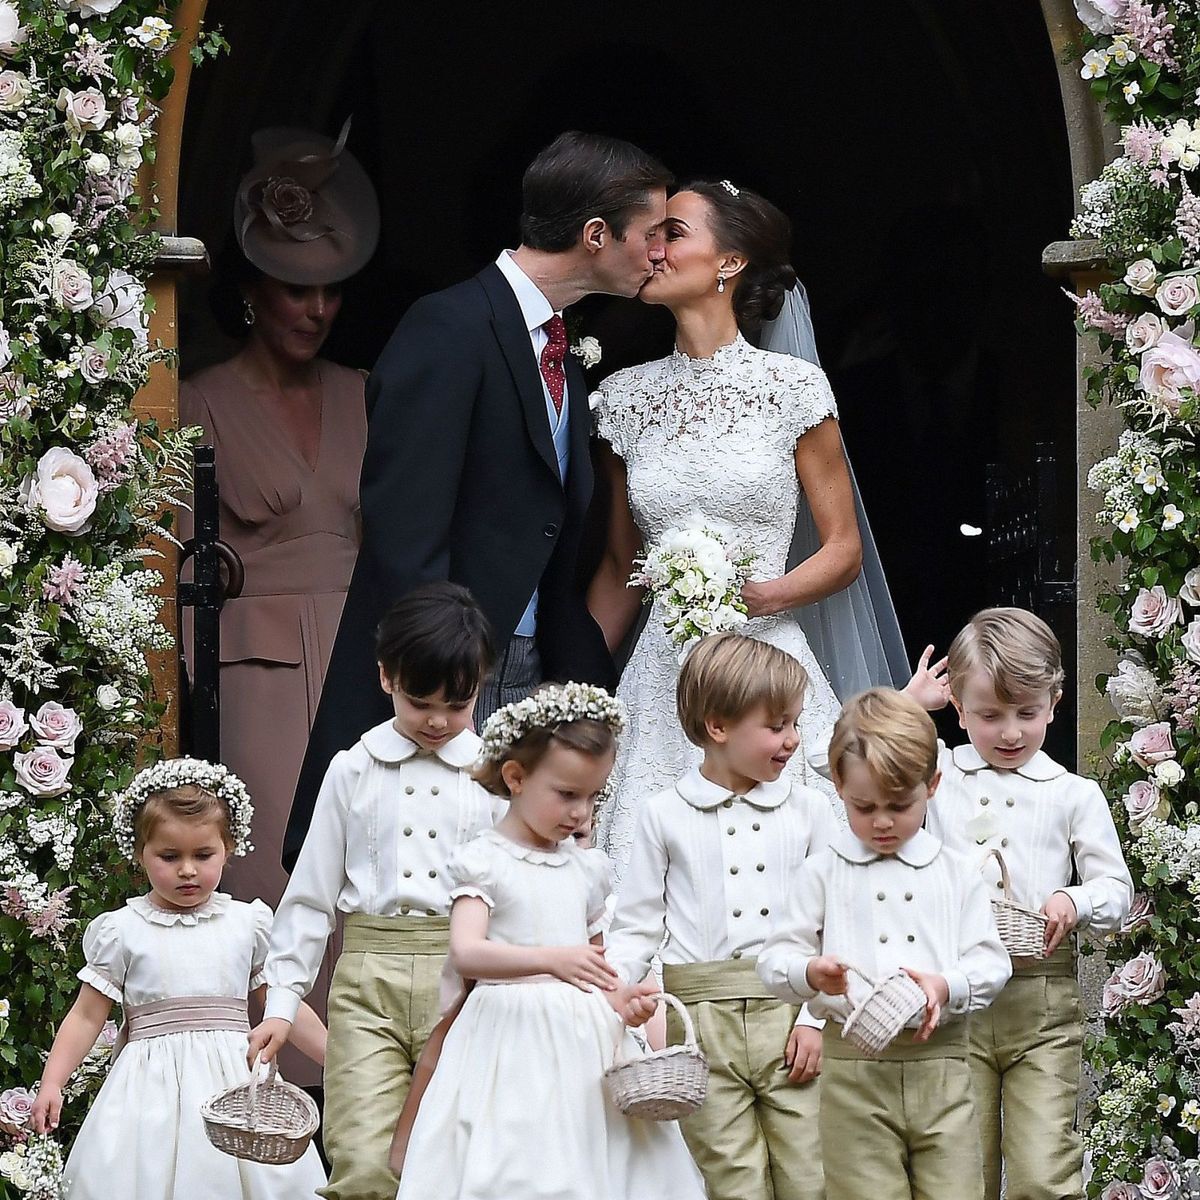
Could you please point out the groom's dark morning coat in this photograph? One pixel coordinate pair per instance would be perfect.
(460, 481)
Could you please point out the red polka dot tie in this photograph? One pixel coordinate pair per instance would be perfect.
(552, 360)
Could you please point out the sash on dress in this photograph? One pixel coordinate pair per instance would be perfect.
(182, 1014)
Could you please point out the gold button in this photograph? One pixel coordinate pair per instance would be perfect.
(432, 874)
(764, 912)
(761, 867)
(433, 791)
(984, 800)
(408, 831)
(726, 803)
(756, 826)
(731, 830)
(407, 873)
(737, 954)
(883, 937)
(880, 896)
(404, 908)
(733, 870)
(908, 895)
(408, 791)
(737, 912)
(1010, 802)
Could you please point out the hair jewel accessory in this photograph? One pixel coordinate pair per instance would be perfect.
(220, 781)
(733, 191)
(557, 704)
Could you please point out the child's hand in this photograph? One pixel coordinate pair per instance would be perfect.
(584, 966)
(267, 1039)
(937, 995)
(802, 1057)
(828, 975)
(1061, 917)
(635, 1004)
(929, 686)
(47, 1109)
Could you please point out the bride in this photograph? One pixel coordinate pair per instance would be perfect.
(749, 440)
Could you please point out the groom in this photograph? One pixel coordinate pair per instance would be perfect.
(477, 466)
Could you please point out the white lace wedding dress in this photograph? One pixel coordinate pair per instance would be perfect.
(714, 436)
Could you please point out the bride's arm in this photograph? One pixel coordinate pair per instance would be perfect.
(825, 478)
(615, 606)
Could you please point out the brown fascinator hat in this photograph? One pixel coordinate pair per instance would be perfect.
(306, 212)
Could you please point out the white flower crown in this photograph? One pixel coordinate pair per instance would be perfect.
(556, 704)
(178, 772)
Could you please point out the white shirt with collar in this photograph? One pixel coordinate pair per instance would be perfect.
(923, 907)
(710, 871)
(1053, 828)
(385, 823)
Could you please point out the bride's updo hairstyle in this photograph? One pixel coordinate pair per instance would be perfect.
(745, 223)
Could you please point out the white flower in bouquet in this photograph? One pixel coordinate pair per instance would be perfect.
(64, 490)
(1101, 16)
(108, 697)
(97, 163)
(1142, 277)
(155, 34)
(93, 8)
(1143, 333)
(15, 89)
(17, 182)
(85, 111)
(9, 557)
(12, 33)
(1168, 774)
(1178, 294)
(121, 305)
(61, 224)
(588, 351)
(1134, 692)
(128, 139)
(1190, 592)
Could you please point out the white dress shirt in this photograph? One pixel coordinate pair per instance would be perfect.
(711, 871)
(1053, 828)
(924, 907)
(385, 823)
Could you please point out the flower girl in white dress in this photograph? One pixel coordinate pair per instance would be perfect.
(180, 961)
(516, 1106)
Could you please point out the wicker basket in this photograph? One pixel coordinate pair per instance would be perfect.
(665, 1084)
(1022, 930)
(267, 1121)
(888, 1007)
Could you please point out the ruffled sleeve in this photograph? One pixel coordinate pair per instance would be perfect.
(809, 399)
(474, 868)
(263, 918)
(598, 870)
(104, 958)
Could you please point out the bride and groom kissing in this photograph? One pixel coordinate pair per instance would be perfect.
(478, 466)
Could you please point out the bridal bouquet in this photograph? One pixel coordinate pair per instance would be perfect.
(697, 575)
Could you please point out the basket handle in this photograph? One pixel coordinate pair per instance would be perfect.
(252, 1107)
(1005, 878)
(689, 1030)
(860, 973)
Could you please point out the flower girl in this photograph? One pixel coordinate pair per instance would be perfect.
(180, 961)
(517, 1105)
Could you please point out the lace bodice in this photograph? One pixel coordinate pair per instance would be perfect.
(716, 436)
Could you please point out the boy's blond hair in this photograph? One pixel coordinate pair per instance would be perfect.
(728, 675)
(1016, 650)
(891, 734)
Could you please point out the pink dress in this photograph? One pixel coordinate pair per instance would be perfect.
(296, 529)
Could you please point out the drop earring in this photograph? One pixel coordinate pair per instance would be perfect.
(248, 314)
(720, 283)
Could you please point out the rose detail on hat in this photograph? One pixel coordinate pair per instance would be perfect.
(290, 201)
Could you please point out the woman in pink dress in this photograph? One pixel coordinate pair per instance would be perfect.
(289, 429)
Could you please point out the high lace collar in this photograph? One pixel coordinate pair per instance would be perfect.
(543, 858)
(722, 356)
(145, 908)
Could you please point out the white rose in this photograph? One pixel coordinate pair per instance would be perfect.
(1100, 16)
(71, 286)
(93, 8)
(14, 90)
(64, 489)
(710, 559)
(588, 351)
(60, 224)
(8, 559)
(1168, 774)
(107, 697)
(1191, 640)
(97, 164)
(43, 771)
(85, 111)
(1171, 149)
(689, 584)
(1190, 592)
(12, 32)
(128, 140)
(5, 348)
(1154, 612)
(1178, 294)
(93, 364)
(1141, 277)
(121, 305)
(1144, 332)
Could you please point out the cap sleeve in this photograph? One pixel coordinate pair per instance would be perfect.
(809, 399)
(598, 870)
(104, 960)
(613, 419)
(473, 868)
(263, 919)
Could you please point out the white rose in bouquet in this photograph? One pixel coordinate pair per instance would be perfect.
(108, 697)
(12, 33)
(1143, 333)
(1142, 277)
(1134, 692)
(1101, 16)
(1190, 592)
(121, 305)
(1168, 774)
(15, 90)
(64, 490)
(93, 8)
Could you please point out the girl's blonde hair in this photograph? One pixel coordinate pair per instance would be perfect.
(891, 734)
(187, 802)
(728, 675)
(1015, 649)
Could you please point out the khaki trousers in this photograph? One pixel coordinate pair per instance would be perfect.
(756, 1136)
(901, 1126)
(1025, 1061)
(383, 1004)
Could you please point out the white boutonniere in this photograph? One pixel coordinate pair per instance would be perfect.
(588, 351)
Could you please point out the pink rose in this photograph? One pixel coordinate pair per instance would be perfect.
(43, 772)
(1160, 1180)
(14, 90)
(64, 488)
(1140, 912)
(1178, 294)
(1154, 612)
(1141, 980)
(84, 111)
(1120, 1190)
(1191, 640)
(107, 1038)
(291, 202)
(93, 364)
(1170, 368)
(16, 1104)
(56, 726)
(1153, 744)
(1142, 334)
(71, 286)
(1143, 801)
(13, 725)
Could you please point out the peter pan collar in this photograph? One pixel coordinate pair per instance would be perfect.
(145, 908)
(388, 745)
(919, 851)
(1041, 767)
(557, 857)
(703, 794)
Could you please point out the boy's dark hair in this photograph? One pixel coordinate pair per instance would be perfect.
(580, 176)
(436, 637)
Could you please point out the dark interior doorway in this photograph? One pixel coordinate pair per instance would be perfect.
(918, 146)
